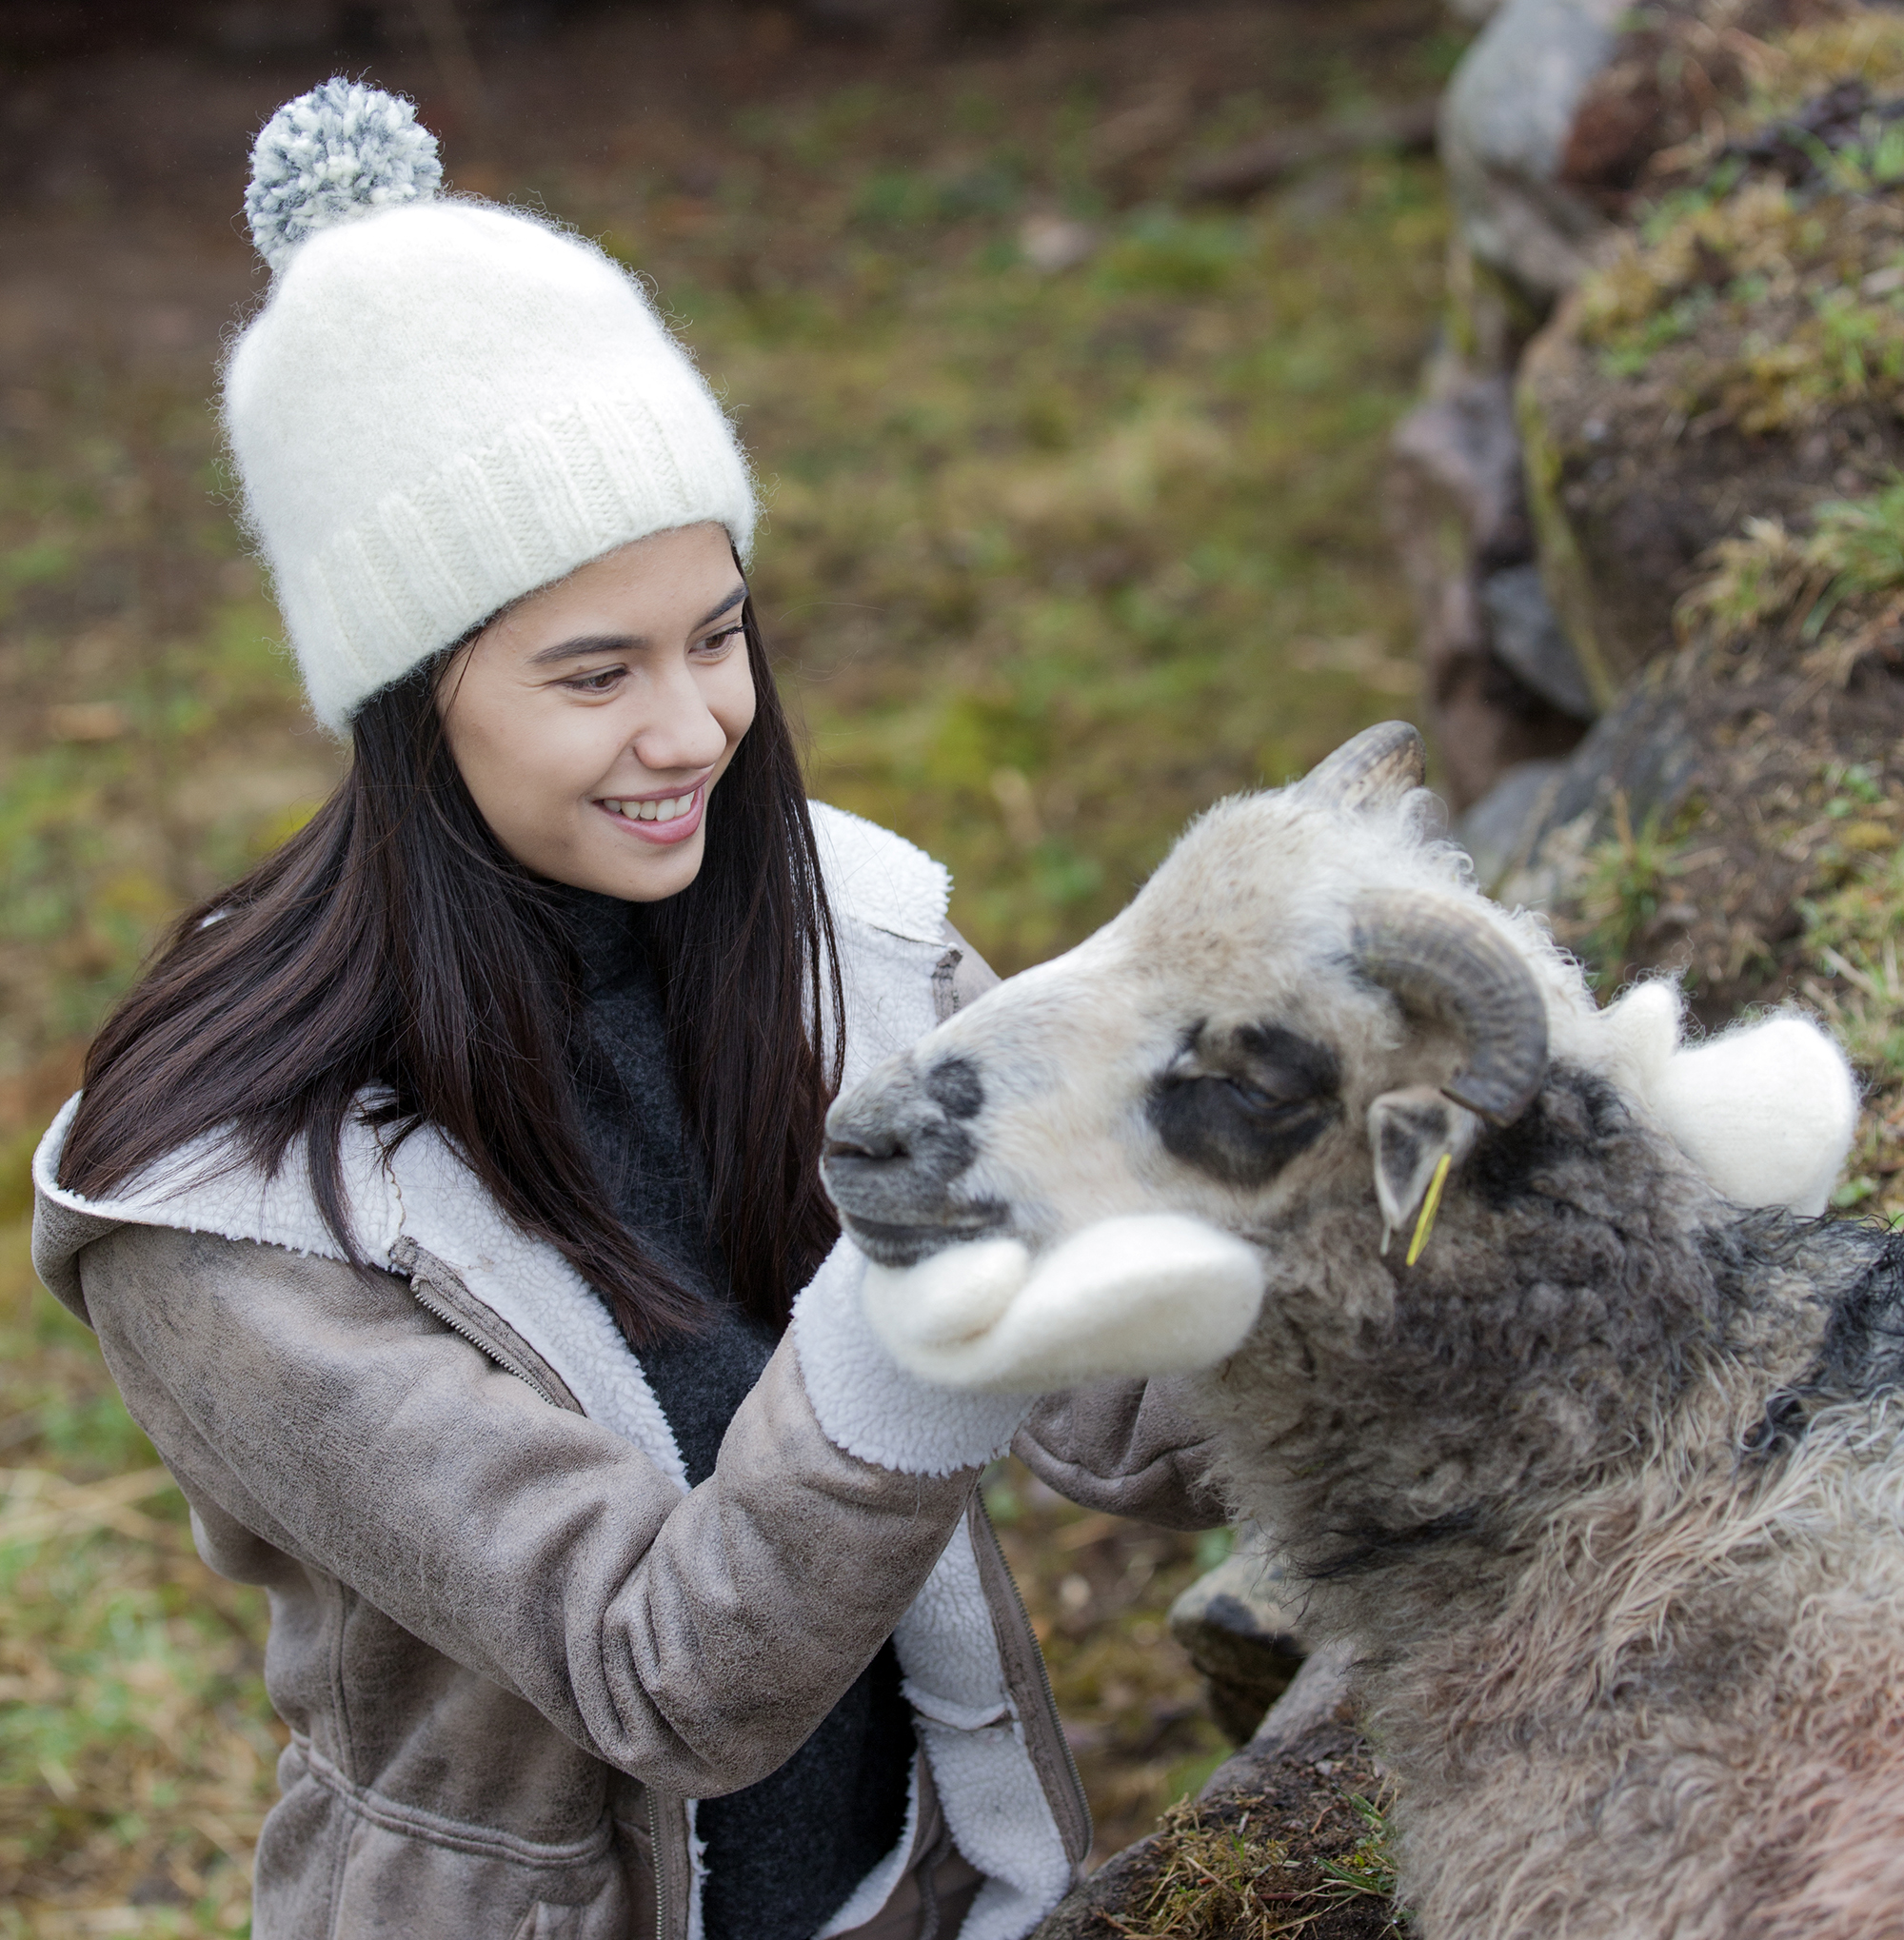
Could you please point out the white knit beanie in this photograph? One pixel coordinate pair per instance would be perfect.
(443, 405)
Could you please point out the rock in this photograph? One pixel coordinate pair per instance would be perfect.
(1506, 128)
(1294, 1785)
(1463, 446)
(1529, 640)
(1240, 1634)
(1627, 497)
(1687, 828)
(1456, 510)
(1497, 830)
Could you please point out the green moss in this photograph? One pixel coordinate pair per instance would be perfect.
(1562, 570)
(1765, 308)
(1623, 885)
(1221, 1879)
(1851, 926)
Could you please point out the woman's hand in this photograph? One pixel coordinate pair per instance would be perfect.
(1147, 1294)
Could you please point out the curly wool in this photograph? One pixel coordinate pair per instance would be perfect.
(330, 156)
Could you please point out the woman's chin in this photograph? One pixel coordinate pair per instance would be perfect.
(648, 873)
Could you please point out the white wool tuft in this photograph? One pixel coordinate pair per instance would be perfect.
(339, 152)
(1767, 1111)
(1156, 1292)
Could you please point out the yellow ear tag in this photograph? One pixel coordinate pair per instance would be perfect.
(1430, 1206)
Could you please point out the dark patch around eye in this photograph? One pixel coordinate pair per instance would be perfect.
(956, 1087)
(1269, 1095)
(1284, 1065)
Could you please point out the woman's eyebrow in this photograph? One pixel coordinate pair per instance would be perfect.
(623, 642)
(584, 643)
(727, 605)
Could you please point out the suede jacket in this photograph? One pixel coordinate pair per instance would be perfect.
(512, 1648)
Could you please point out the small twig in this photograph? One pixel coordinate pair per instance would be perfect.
(1850, 972)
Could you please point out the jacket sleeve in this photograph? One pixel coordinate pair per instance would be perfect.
(1133, 1448)
(691, 1640)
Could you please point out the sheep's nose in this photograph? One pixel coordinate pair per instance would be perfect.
(895, 1145)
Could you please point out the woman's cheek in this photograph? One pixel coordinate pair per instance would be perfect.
(733, 701)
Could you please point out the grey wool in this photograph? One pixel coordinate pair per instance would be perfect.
(341, 152)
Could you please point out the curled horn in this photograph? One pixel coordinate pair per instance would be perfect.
(1380, 766)
(1448, 962)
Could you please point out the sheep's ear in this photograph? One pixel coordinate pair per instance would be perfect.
(1411, 1132)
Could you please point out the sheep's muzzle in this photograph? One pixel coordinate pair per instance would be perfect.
(895, 1145)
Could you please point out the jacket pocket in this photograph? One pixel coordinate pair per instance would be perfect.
(396, 1883)
(544, 1921)
(388, 1867)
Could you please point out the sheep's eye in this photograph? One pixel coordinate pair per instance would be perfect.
(1245, 1122)
(1255, 1098)
(1273, 1089)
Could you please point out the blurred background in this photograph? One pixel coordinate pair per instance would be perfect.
(1067, 337)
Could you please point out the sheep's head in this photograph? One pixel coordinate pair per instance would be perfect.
(1308, 1006)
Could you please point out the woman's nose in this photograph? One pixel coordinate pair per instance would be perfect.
(680, 731)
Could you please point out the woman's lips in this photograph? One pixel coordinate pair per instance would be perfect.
(672, 823)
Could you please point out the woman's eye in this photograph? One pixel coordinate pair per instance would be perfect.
(597, 683)
(718, 644)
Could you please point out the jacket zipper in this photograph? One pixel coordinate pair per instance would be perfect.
(660, 1865)
(456, 1325)
(455, 1322)
(1044, 1679)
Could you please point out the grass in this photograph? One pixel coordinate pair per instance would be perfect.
(1218, 1880)
(1843, 828)
(1779, 304)
(1783, 302)
(1852, 921)
(1739, 300)
(1050, 561)
(136, 1745)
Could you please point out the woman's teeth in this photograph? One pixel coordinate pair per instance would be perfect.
(653, 811)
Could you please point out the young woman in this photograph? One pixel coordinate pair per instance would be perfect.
(446, 1197)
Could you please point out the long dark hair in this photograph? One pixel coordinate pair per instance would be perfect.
(391, 943)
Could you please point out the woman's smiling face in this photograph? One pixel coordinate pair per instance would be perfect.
(591, 721)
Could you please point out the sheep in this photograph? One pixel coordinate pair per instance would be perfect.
(1592, 1470)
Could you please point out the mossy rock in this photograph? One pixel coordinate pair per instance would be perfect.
(1738, 817)
(1737, 352)
(1290, 1842)
(1630, 490)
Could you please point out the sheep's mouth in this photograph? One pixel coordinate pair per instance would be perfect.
(891, 1243)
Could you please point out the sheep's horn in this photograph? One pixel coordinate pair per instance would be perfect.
(1449, 961)
(1380, 766)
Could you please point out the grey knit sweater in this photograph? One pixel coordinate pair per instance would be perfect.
(783, 1855)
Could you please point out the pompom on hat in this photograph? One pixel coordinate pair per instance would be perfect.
(443, 405)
